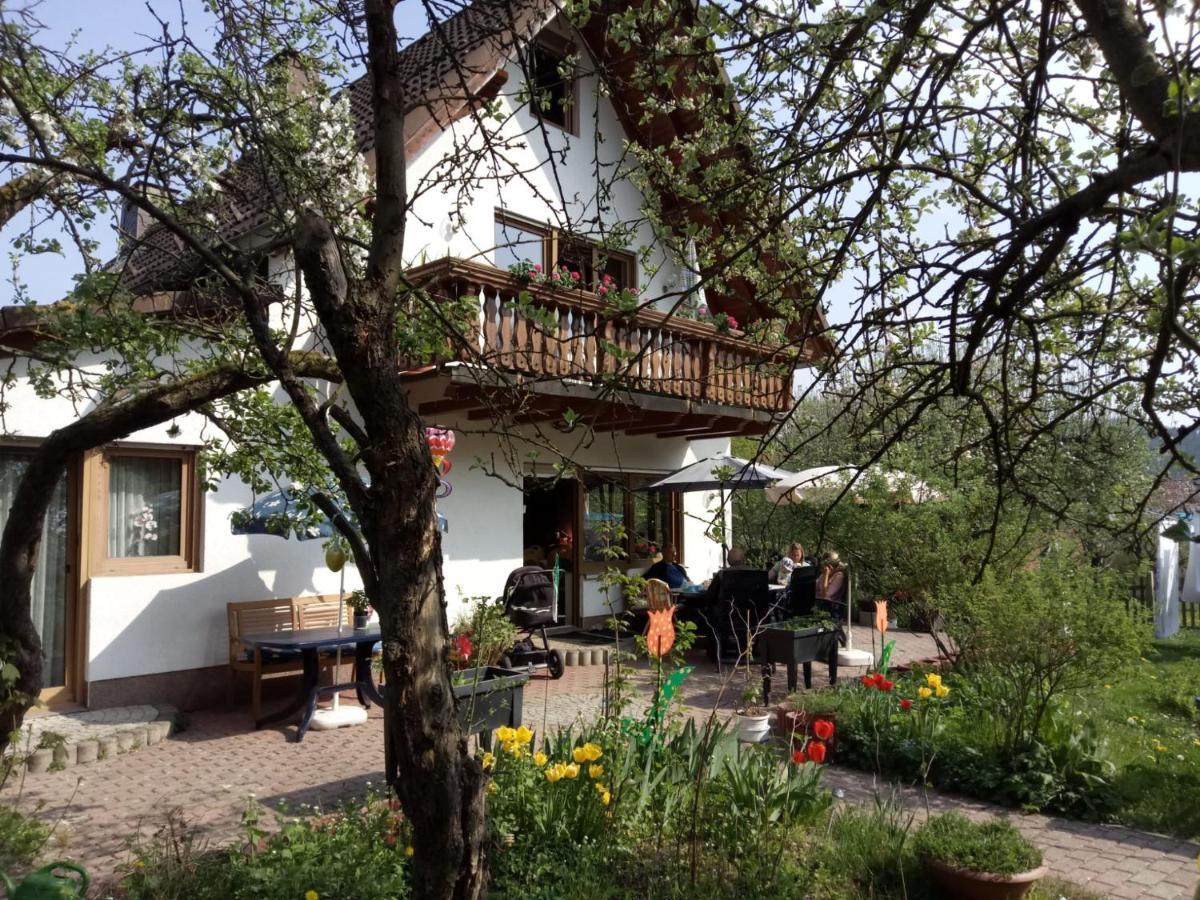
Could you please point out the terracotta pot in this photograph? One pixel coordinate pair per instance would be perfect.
(968, 885)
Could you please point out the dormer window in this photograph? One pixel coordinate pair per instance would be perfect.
(553, 84)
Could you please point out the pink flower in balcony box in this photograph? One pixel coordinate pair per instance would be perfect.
(556, 276)
(633, 292)
(574, 276)
(731, 321)
(607, 279)
(537, 267)
(602, 290)
(702, 312)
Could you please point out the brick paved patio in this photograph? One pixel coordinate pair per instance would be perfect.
(212, 769)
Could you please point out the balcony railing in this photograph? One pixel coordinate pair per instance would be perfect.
(572, 335)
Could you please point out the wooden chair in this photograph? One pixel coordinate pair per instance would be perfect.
(658, 594)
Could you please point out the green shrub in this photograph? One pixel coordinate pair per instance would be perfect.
(482, 619)
(21, 838)
(994, 847)
(1037, 635)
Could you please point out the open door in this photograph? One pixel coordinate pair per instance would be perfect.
(548, 532)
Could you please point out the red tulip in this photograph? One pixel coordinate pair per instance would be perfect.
(906, 704)
(816, 752)
(823, 729)
(799, 758)
(886, 685)
(868, 681)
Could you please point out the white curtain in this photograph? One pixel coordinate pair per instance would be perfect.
(48, 591)
(1191, 579)
(143, 506)
(1166, 584)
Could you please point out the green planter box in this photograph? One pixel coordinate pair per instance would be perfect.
(489, 697)
(794, 646)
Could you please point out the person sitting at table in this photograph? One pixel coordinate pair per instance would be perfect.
(831, 586)
(668, 569)
(781, 572)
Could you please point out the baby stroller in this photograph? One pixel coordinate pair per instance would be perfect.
(529, 604)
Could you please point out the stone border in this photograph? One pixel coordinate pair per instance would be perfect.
(88, 750)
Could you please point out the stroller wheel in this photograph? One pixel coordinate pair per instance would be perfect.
(554, 664)
(506, 662)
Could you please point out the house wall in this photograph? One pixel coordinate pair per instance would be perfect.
(547, 176)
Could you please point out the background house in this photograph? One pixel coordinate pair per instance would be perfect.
(139, 562)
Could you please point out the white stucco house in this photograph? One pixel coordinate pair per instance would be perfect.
(131, 604)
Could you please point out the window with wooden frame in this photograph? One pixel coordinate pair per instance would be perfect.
(624, 522)
(522, 241)
(553, 85)
(146, 512)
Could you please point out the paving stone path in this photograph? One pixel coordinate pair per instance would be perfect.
(210, 772)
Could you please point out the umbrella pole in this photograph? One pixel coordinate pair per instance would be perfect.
(724, 536)
(337, 666)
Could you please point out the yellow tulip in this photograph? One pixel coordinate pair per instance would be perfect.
(933, 680)
(571, 770)
(488, 760)
(593, 751)
(595, 771)
(408, 851)
(491, 788)
(606, 798)
(523, 735)
(579, 755)
(924, 693)
(540, 759)
(554, 773)
(943, 691)
(504, 733)
(311, 895)
(600, 788)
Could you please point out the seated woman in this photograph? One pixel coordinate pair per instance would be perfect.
(668, 570)
(781, 572)
(831, 586)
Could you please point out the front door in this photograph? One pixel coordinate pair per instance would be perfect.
(53, 612)
(548, 531)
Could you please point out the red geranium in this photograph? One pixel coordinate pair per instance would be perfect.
(798, 757)
(816, 752)
(463, 647)
(906, 704)
(823, 729)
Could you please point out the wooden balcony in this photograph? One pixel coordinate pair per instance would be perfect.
(569, 336)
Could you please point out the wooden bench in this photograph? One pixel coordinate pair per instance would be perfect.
(287, 614)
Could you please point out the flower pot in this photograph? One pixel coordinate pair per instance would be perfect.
(361, 620)
(968, 885)
(753, 729)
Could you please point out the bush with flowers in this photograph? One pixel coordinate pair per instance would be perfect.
(623, 298)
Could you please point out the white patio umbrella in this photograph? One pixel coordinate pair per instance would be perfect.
(826, 482)
(720, 473)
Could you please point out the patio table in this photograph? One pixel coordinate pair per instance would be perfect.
(310, 643)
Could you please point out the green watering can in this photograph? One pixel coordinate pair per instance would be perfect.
(45, 885)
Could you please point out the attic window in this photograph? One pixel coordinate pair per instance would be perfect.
(553, 94)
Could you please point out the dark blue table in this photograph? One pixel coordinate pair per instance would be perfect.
(310, 643)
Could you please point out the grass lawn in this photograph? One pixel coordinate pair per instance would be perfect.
(1151, 730)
